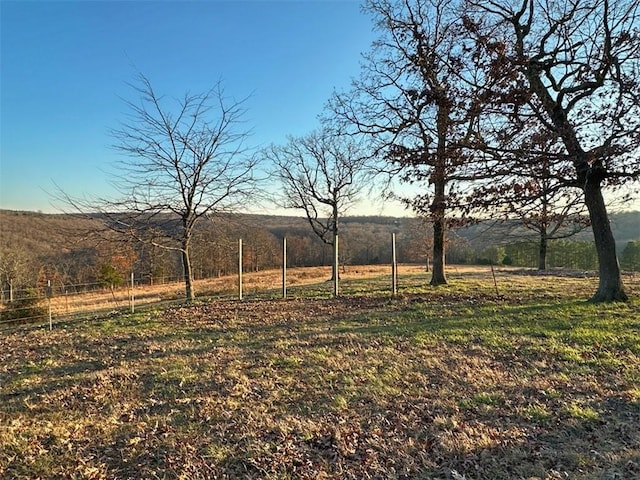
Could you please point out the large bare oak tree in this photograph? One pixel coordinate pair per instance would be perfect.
(412, 104)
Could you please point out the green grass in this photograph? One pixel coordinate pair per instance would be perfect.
(529, 382)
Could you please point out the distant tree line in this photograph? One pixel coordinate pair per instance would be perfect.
(28, 262)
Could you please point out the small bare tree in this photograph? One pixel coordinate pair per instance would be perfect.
(187, 160)
(321, 174)
(15, 268)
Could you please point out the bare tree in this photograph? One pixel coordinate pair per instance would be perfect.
(532, 189)
(16, 268)
(555, 214)
(187, 159)
(573, 66)
(415, 242)
(321, 174)
(411, 102)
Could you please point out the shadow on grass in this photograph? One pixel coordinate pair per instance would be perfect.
(351, 388)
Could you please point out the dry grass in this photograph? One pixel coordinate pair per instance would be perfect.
(266, 282)
(456, 382)
(254, 283)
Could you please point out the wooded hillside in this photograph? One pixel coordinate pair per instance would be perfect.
(73, 250)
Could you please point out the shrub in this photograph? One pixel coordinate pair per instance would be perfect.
(630, 258)
(29, 308)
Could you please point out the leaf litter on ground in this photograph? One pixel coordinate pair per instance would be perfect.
(453, 382)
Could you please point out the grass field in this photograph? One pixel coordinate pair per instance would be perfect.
(465, 381)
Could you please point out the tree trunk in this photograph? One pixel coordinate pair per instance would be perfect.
(542, 251)
(335, 263)
(437, 265)
(610, 287)
(439, 178)
(334, 268)
(188, 274)
(544, 220)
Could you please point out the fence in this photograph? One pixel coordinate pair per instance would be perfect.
(51, 301)
(73, 303)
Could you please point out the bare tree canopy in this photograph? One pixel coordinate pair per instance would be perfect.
(321, 174)
(185, 159)
(189, 158)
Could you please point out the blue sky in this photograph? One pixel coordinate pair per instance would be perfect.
(65, 68)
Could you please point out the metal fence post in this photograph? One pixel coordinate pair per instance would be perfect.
(284, 267)
(336, 267)
(240, 269)
(132, 295)
(49, 295)
(394, 266)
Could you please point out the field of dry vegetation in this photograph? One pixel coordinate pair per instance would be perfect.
(254, 283)
(521, 379)
(264, 283)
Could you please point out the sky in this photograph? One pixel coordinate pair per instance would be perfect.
(65, 69)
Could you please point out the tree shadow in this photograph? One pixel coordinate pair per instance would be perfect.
(351, 388)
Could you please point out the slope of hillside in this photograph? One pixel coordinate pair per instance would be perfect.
(78, 248)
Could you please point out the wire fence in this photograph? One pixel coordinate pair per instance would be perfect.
(48, 306)
(51, 302)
